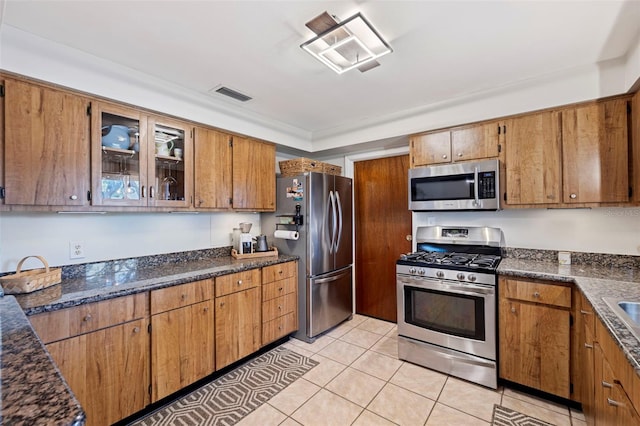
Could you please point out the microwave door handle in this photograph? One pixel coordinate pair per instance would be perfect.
(476, 183)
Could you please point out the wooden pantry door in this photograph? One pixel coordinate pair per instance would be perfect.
(382, 223)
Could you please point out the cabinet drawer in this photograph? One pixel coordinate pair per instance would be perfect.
(279, 288)
(278, 272)
(278, 327)
(279, 306)
(58, 325)
(531, 291)
(178, 296)
(239, 281)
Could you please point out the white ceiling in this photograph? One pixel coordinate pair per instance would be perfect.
(442, 49)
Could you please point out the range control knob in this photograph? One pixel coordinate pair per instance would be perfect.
(412, 270)
(471, 277)
(440, 274)
(421, 271)
(460, 276)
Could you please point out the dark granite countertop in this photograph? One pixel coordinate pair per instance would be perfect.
(33, 390)
(595, 282)
(107, 280)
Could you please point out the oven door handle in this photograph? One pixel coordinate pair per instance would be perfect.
(476, 183)
(468, 289)
(467, 360)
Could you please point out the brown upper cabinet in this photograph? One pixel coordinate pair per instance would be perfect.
(575, 155)
(595, 150)
(213, 150)
(46, 146)
(234, 172)
(533, 159)
(254, 175)
(462, 144)
(140, 160)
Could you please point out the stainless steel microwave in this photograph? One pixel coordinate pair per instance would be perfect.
(472, 185)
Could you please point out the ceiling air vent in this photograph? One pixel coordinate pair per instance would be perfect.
(222, 90)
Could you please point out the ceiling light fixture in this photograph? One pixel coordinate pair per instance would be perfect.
(343, 46)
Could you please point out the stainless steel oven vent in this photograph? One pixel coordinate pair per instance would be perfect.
(223, 90)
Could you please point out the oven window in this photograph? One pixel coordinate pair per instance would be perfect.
(445, 312)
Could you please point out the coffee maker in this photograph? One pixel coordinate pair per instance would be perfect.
(246, 240)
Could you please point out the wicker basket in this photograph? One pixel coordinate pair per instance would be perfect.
(301, 165)
(32, 280)
(331, 169)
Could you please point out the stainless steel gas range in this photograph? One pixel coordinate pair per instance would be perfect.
(447, 301)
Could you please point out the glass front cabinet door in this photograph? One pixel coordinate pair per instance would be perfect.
(139, 160)
(170, 168)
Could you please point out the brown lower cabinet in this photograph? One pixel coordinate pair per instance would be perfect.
(237, 322)
(117, 365)
(102, 350)
(182, 336)
(534, 334)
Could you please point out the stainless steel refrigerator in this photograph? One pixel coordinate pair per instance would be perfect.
(325, 270)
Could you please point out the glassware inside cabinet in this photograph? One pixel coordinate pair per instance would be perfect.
(169, 163)
(120, 150)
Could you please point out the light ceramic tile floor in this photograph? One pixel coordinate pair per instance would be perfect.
(361, 381)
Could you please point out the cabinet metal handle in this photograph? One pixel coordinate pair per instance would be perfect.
(279, 327)
(151, 188)
(221, 304)
(142, 191)
(536, 294)
(184, 296)
(513, 309)
(444, 156)
(573, 196)
(87, 318)
(280, 271)
(206, 309)
(136, 329)
(606, 385)
(459, 154)
(588, 346)
(279, 307)
(73, 197)
(583, 312)
(280, 289)
(239, 282)
(614, 403)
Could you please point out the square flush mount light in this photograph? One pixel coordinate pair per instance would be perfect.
(343, 46)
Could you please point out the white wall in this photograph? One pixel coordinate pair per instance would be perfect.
(113, 235)
(599, 230)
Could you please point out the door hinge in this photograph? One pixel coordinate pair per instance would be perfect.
(149, 328)
(88, 195)
(231, 141)
(630, 191)
(570, 388)
(628, 107)
(570, 320)
(504, 129)
(499, 148)
(149, 390)
(2, 194)
(498, 129)
(230, 201)
(504, 197)
(89, 109)
(1, 90)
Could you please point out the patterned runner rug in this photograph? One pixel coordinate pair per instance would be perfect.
(503, 416)
(226, 400)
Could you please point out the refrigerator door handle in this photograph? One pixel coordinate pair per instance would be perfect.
(339, 205)
(329, 279)
(334, 221)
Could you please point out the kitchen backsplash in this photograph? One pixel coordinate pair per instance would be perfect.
(577, 258)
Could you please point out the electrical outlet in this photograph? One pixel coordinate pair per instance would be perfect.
(76, 250)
